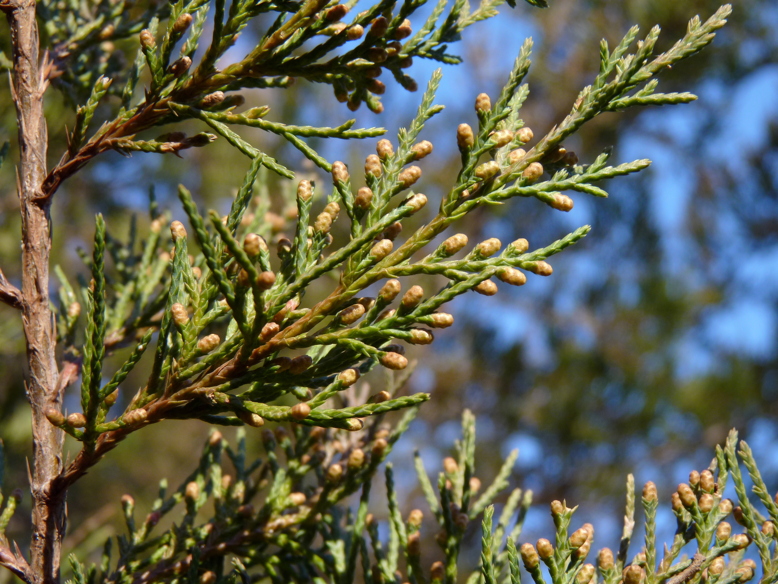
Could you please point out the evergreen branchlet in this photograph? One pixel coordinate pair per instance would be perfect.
(219, 308)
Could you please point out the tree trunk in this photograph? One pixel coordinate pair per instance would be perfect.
(29, 85)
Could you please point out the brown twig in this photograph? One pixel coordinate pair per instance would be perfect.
(9, 294)
(689, 572)
(16, 563)
(28, 86)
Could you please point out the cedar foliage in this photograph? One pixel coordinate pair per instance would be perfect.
(217, 314)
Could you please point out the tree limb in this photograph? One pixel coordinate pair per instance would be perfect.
(28, 87)
(16, 563)
(688, 573)
(9, 294)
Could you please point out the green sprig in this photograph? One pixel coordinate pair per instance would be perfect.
(94, 348)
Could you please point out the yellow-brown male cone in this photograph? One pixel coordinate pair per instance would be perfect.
(409, 176)
(384, 149)
(393, 361)
(354, 424)
(525, 134)
(182, 23)
(250, 419)
(111, 398)
(252, 245)
(147, 39)
(501, 137)
(412, 297)
(706, 502)
(533, 172)
(741, 540)
(585, 574)
(76, 420)
(453, 244)
(441, 320)
(489, 247)
(351, 314)
(388, 313)
(339, 172)
(265, 280)
(208, 343)
(356, 459)
(579, 537)
(304, 190)
(562, 202)
(333, 208)
(192, 491)
(557, 507)
(381, 249)
(380, 397)
(649, 491)
(450, 465)
(379, 447)
(334, 473)
(55, 416)
(421, 337)
(633, 574)
(529, 556)
(605, 559)
(520, 245)
(416, 202)
(378, 27)
(404, 30)
(540, 268)
(300, 364)
(355, 32)
(300, 411)
(512, 276)
(390, 290)
(483, 103)
(545, 549)
(486, 288)
(415, 517)
(177, 230)
(438, 571)
(707, 482)
(364, 198)
(297, 498)
(746, 570)
(421, 149)
(717, 566)
(323, 223)
(487, 170)
(179, 313)
(687, 495)
(516, 155)
(135, 417)
(212, 99)
(465, 136)
(336, 12)
(373, 166)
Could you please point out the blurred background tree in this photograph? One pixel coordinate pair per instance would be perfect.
(652, 339)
